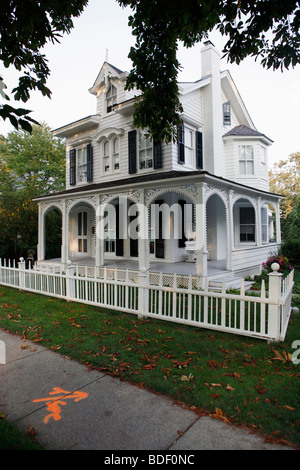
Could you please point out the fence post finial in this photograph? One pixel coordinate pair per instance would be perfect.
(274, 297)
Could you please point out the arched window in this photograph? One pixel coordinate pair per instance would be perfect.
(106, 156)
(111, 155)
(116, 154)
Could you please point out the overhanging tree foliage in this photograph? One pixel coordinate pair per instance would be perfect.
(25, 28)
(264, 29)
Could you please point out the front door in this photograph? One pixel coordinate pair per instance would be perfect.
(82, 225)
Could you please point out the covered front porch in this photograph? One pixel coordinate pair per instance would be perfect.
(232, 230)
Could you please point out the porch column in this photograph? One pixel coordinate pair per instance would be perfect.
(258, 223)
(230, 229)
(201, 244)
(65, 234)
(278, 231)
(41, 235)
(99, 252)
(143, 233)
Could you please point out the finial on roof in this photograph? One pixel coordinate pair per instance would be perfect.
(106, 55)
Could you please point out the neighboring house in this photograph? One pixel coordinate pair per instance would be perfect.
(216, 175)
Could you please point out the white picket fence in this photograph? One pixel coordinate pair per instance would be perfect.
(170, 297)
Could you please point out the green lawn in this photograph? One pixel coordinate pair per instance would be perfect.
(242, 380)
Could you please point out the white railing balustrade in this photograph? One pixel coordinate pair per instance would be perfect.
(169, 297)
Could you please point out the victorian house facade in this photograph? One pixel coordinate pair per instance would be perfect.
(204, 199)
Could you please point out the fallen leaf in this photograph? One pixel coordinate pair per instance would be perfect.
(219, 415)
(288, 408)
(228, 387)
(31, 431)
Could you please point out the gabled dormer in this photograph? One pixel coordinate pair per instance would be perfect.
(108, 88)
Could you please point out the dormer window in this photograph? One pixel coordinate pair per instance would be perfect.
(111, 98)
(226, 114)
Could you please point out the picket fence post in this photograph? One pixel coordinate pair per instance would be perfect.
(22, 267)
(70, 281)
(142, 296)
(275, 279)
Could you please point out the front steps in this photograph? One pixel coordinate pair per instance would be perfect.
(229, 282)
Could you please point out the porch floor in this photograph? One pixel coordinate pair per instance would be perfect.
(214, 268)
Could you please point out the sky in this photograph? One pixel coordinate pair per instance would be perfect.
(271, 97)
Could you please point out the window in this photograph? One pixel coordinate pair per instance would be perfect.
(106, 156)
(111, 155)
(109, 231)
(247, 224)
(116, 155)
(82, 232)
(82, 165)
(246, 160)
(189, 147)
(226, 114)
(111, 98)
(264, 224)
(145, 151)
(264, 166)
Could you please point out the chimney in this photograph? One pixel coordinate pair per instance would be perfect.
(212, 109)
(210, 60)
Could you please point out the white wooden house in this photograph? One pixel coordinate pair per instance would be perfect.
(216, 176)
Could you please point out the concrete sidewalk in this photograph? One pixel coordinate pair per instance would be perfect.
(71, 407)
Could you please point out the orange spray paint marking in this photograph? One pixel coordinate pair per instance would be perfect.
(54, 404)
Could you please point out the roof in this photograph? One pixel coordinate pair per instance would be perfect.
(148, 178)
(245, 132)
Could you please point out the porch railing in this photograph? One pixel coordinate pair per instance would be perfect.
(168, 297)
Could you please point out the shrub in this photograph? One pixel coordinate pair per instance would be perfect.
(283, 261)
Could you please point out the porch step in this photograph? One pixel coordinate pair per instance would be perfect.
(230, 283)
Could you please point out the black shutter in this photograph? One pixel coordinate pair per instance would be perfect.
(157, 155)
(181, 156)
(160, 242)
(199, 151)
(182, 240)
(119, 240)
(89, 156)
(72, 167)
(132, 152)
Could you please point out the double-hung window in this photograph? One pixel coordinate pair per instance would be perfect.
(189, 147)
(246, 160)
(111, 155)
(264, 166)
(82, 165)
(247, 224)
(145, 151)
(111, 98)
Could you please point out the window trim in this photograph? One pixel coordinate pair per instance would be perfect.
(227, 113)
(111, 97)
(246, 174)
(111, 155)
(149, 148)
